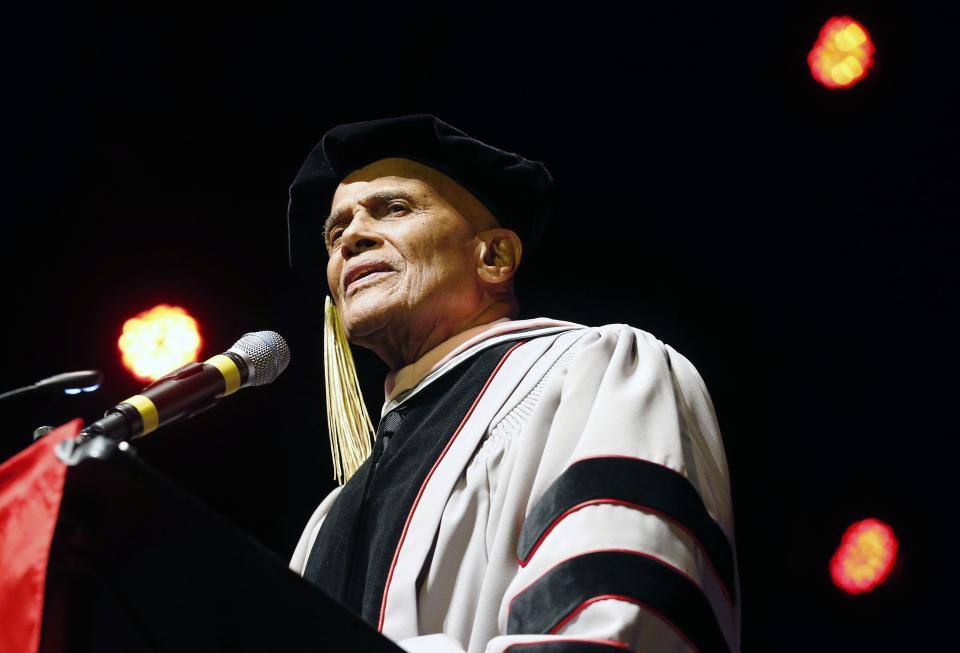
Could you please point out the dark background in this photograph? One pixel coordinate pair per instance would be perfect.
(798, 245)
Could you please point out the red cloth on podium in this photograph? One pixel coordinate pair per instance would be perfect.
(31, 486)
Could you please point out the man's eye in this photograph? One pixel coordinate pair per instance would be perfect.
(396, 208)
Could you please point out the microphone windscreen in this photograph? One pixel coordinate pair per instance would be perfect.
(267, 351)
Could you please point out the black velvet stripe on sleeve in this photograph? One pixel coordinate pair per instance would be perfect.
(563, 646)
(639, 483)
(564, 590)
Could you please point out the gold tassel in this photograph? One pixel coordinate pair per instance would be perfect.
(351, 431)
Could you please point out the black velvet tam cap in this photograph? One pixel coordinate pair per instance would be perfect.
(518, 192)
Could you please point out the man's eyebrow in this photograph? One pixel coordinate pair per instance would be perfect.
(377, 197)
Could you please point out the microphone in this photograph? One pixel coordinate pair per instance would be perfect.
(255, 359)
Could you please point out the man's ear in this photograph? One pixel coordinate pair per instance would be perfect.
(499, 256)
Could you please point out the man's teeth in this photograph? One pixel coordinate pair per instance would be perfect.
(367, 274)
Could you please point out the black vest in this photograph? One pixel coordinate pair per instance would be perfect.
(354, 549)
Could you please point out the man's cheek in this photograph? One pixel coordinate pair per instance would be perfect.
(333, 277)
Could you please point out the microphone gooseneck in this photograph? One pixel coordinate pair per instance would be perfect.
(70, 383)
(255, 359)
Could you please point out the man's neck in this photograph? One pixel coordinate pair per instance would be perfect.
(399, 347)
(410, 375)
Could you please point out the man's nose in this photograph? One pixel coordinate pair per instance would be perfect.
(359, 236)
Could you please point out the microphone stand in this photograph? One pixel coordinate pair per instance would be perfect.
(27, 389)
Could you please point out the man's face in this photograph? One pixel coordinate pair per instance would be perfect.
(402, 249)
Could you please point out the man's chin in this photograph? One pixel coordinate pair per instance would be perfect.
(365, 317)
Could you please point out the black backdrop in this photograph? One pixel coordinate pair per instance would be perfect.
(797, 244)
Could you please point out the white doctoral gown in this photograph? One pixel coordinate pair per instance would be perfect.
(582, 505)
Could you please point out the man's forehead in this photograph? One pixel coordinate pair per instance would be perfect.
(397, 173)
(359, 191)
(397, 167)
(413, 179)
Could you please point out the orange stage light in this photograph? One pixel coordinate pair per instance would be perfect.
(865, 556)
(159, 341)
(842, 54)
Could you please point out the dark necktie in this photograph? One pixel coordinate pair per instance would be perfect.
(387, 428)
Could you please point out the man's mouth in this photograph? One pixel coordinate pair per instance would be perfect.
(365, 273)
(362, 280)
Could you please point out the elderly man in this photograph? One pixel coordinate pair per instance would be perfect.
(535, 485)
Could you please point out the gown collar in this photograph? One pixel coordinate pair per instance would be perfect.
(403, 383)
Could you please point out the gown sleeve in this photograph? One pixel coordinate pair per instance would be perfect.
(627, 541)
(298, 561)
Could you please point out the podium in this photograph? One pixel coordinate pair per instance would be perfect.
(137, 564)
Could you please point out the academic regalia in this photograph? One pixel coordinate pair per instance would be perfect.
(544, 487)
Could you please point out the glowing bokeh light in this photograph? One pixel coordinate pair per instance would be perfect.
(159, 341)
(76, 391)
(842, 54)
(865, 556)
